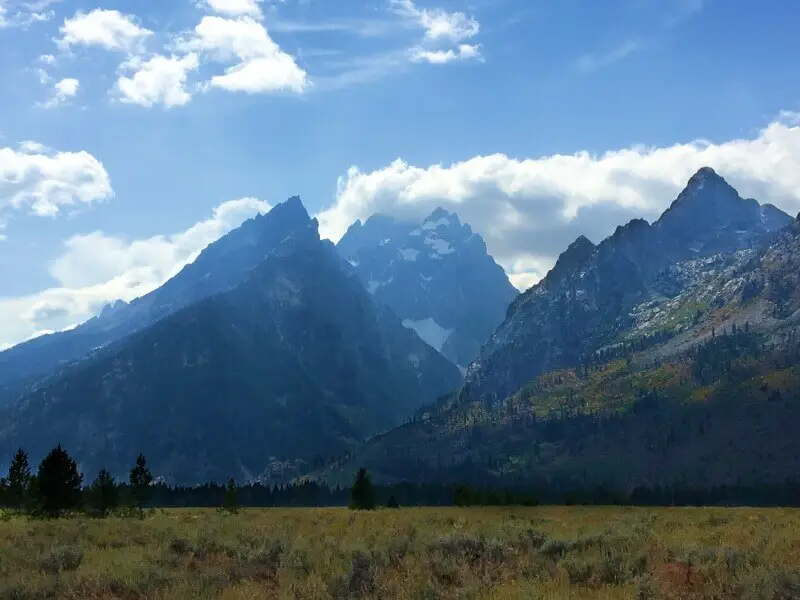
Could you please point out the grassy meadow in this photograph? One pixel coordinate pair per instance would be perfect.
(505, 553)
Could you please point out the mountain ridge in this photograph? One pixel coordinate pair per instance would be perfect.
(695, 387)
(585, 299)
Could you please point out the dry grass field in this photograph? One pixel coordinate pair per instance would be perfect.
(481, 553)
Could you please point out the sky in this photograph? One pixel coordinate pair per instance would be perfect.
(133, 134)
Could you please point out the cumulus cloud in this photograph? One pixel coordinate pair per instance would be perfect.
(109, 29)
(43, 182)
(63, 90)
(439, 24)
(529, 210)
(445, 33)
(159, 80)
(97, 269)
(440, 57)
(260, 64)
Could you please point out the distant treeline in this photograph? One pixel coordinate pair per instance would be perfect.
(58, 488)
(312, 494)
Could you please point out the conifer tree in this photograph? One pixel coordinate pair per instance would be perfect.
(362, 494)
(229, 502)
(104, 493)
(19, 480)
(140, 480)
(58, 483)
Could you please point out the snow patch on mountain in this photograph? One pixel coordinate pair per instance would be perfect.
(430, 331)
(409, 254)
(439, 245)
(433, 225)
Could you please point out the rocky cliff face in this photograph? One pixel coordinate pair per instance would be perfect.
(589, 299)
(436, 275)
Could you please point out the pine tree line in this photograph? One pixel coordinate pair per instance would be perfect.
(57, 489)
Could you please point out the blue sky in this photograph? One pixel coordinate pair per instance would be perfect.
(536, 121)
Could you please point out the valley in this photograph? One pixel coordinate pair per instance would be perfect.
(409, 554)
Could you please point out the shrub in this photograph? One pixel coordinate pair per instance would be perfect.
(180, 546)
(62, 558)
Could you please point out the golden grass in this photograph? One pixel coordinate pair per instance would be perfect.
(418, 553)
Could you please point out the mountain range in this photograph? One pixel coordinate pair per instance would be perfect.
(668, 352)
(266, 350)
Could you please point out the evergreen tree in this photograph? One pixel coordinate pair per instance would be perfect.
(229, 502)
(19, 480)
(140, 480)
(4, 492)
(104, 493)
(58, 485)
(392, 503)
(362, 494)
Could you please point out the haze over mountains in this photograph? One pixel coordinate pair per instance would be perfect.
(275, 352)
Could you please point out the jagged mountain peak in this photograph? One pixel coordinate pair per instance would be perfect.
(436, 275)
(576, 254)
(710, 216)
(290, 211)
(704, 174)
(588, 296)
(370, 233)
(705, 186)
(222, 265)
(441, 217)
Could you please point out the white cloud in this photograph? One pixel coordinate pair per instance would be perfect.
(31, 147)
(42, 75)
(440, 24)
(24, 14)
(98, 268)
(261, 66)
(109, 29)
(529, 210)
(235, 8)
(45, 182)
(159, 80)
(440, 57)
(63, 90)
(445, 34)
(48, 59)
